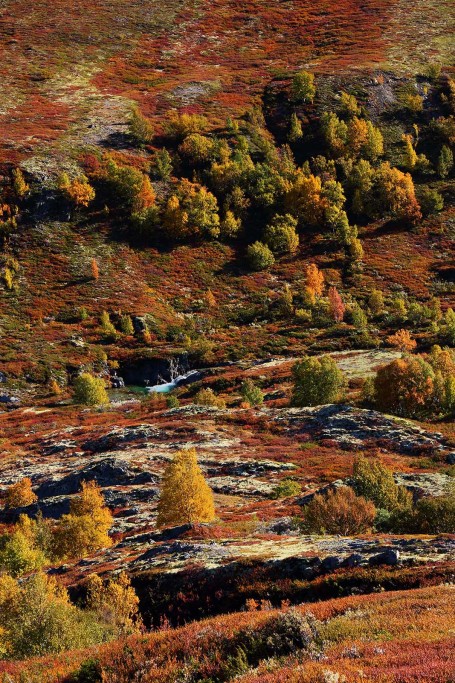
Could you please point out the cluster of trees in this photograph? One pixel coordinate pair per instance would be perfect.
(34, 543)
(240, 183)
(38, 617)
(374, 500)
(419, 385)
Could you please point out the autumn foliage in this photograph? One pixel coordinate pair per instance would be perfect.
(185, 497)
(402, 340)
(337, 307)
(86, 527)
(19, 494)
(339, 512)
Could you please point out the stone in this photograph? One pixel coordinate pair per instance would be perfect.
(423, 485)
(389, 556)
(139, 324)
(117, 382)
(330, 563)
(353, 560)
(106, 472)
(5, 398)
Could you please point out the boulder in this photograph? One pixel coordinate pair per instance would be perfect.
(330, 563)
(353, 560)
(425, 484)
(388, 556)
(117, 382)
(119, 437)
(106, 472)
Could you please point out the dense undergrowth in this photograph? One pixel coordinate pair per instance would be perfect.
(365, 637)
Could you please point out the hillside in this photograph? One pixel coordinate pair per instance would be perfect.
(227, 341)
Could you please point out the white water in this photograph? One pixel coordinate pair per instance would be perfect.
(166, 387)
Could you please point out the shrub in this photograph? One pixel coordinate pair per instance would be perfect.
(230, 226)
(445, 162)
(90, 390)
(354, 250)
(20, 187)
(17, 555)
(295, 128)
(89, 672)
(358, 317)
(339, 512)
(281, 236)
(126, 325)
(179, 126)
(162, 164)
(316, 381)
(375, 482)
(433, 71)
(20, 494)
(409, 154)
(259, 256)
(207, 397)
(284, 634)
(395, 194)
(191, 212)
(348, 104)
(78, 191)
(108, 329)
(95, 269)
(376, 302)
(141, 128)
(411, 102)
(287, 488)
(404, 386)
(337, 307)
(172, 401)
(436, 515)
(251, 393)
(38, 619)
(304, 199)
(314, 280)
(185, 497)
(431, 201)
(116, 601)
(198, 149)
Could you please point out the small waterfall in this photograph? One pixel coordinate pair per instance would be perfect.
(177, 377)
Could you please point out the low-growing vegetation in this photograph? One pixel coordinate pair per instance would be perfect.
(227, 364)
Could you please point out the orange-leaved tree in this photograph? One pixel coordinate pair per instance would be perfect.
(402, 340)
(404, 386)
(185, 498)
(20, 494)
(78, 191)
(314, 282)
